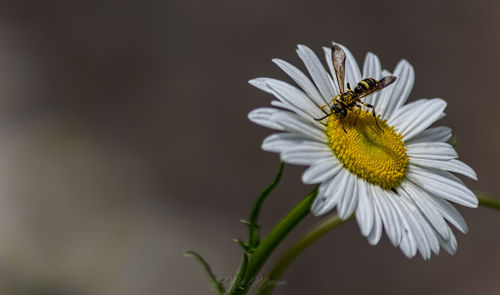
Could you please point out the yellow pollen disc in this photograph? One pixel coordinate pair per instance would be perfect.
(378, 157)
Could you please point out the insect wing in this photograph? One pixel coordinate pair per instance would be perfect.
(338, 57)
(386, 81)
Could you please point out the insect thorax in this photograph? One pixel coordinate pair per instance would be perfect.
(348, 98)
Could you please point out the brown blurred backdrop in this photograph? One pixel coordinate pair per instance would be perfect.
(124, 140)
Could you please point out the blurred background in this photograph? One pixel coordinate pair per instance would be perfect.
(124, 140)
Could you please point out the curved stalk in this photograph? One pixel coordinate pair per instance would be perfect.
(254, 238)
(217, 285)
(270, 242)
(315, 232)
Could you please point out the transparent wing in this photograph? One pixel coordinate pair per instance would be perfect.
(384, 82)
(338, 57)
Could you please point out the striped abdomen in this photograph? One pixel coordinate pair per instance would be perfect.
(368, 84)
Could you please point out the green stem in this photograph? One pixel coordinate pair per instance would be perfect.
(488, 200)
(241, 270)
(206, 267)
(316, 231)
(254, 238)
(254, 227)
(270, 242)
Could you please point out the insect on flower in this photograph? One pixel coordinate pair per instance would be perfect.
(350, 99)
(399, 180)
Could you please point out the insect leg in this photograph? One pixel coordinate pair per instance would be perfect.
(342, 123)
(328, 104)
(324, 117)
(355, 120)
(373, 113)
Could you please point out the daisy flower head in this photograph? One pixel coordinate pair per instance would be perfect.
(392, 170)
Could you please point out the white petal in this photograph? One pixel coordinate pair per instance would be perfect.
(434, 134)
(319, 202)
(331, 185)
(280, 142)
(449, 245)
(293, 123)
(364, 210)
(328, 199)
(453, 165)
(307, 153)
(322, 171)
(390, 198)
(301, 80)
(427, 206)
(289, 94)
(386, 73)
(406, 78)
(372, 69)
(379, 102)
(293, 109)
(447, 174)
(317, 71)
(391, 222)
(261, 84)
(430, 234)
(394, 96)
(349, 199)
(408, 243)
(376, 232)
(262, 116)
(292, 95)
(441, 186)
(420, 118)
(415, 228)
(405, 111)
(451, 214)
(302, 158)
(431, 150)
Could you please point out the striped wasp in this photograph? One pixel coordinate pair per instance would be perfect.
(348, 100)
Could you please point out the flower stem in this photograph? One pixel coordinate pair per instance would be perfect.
(315, 232)
(488, 200)
(270, 242)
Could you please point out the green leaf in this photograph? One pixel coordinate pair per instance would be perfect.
(252, 223)
(217, 285)
(270, 242)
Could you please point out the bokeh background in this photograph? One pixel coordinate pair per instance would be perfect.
(124, 140)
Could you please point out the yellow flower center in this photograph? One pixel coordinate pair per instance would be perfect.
(378, 157)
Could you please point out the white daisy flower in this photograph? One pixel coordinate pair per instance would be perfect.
(396, 176)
